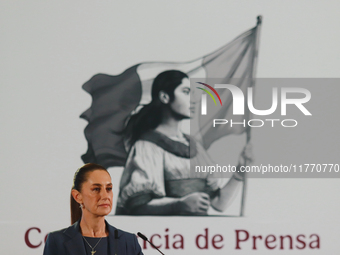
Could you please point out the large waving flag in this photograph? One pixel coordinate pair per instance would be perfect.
(115, 98)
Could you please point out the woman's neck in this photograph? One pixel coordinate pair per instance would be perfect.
(93, 227)
(170, 124)
(170, 127)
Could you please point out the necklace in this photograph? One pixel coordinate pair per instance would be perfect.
(93, 251)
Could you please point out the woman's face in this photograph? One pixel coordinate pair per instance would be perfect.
(182, 104)
(96, 193)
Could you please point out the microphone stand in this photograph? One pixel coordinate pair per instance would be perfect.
(146, 239)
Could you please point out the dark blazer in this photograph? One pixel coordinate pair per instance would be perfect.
(70, 241)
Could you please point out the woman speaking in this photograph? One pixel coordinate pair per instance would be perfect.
(91, 201)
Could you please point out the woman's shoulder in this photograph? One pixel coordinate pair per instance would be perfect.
(131, 243)
(59, 231)
(145, 149)
(122, 235)
(159, 141)
(68, 231)
(125, 234)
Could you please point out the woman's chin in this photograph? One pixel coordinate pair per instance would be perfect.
(104, 210)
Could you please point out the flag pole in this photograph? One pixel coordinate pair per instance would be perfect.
(255, 57)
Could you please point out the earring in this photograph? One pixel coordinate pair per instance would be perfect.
(81, 206)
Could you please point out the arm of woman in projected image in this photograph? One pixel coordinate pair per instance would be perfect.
(196, 203)
(231, 188)
(143, 180)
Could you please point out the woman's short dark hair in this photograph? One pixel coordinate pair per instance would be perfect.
(150, 116)
(79, 178)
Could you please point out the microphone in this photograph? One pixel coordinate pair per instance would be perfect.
(146, 239)
(116, 242)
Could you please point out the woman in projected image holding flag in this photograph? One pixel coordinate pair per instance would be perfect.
(148, 142)
(157, 179)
